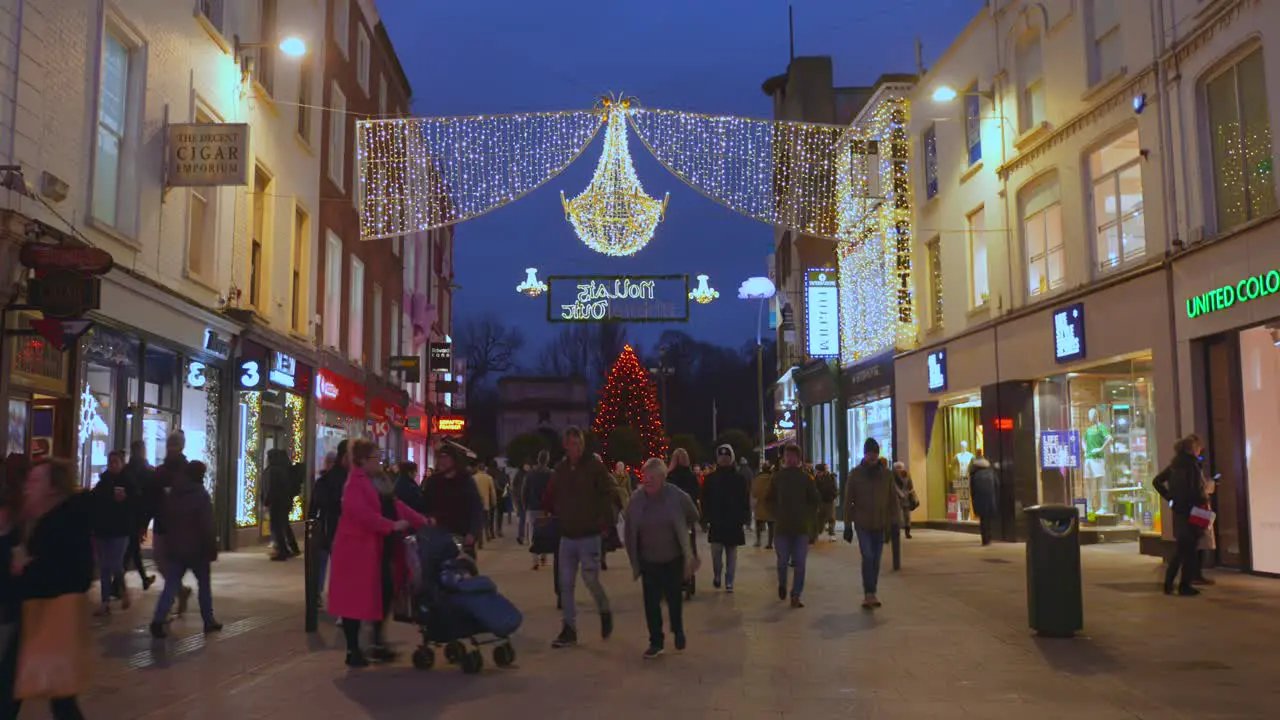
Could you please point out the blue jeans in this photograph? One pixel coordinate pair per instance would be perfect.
(111, 552)
(174, 571)
(788, 548)
(322, 570)
(871, 546)
(524, 521)
(717, 562)
(585, 552)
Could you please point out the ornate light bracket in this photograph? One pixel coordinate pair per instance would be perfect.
(532, 286)
(703, 294)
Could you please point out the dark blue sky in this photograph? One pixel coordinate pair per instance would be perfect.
(465, 57)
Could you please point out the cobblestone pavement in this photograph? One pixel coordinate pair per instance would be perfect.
(950, 641)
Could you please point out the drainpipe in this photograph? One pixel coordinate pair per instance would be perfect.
(1167, 99)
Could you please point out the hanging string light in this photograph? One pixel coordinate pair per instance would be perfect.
(613, 215)
(703, 294)
(532, 286)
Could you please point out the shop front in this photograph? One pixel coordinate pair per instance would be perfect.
(1228, 328)
(817, 391)
(416, 439)
(868, 389)
(41, 395)
(386, 427)
(342, 412)
(272, 388)
(786, 411)
(1062, 401)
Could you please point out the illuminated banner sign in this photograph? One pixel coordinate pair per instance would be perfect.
(1251, 288)
(1068, 333)
(340, 395)
(822, 313)
(634, 298)
(450, 425)
(938, 371)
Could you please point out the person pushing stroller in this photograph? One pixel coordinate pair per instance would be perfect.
(450, 498)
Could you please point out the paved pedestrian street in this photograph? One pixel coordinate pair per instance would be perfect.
(950, 641)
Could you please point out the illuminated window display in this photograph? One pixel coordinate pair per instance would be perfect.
(200, 406)
(872, 419)
(109, 378)
(1096, 444)
(271, 414)
(954, 440)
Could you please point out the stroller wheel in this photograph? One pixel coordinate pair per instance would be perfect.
(424, 658)
(504, 655)
(455, 652)
(472, 662)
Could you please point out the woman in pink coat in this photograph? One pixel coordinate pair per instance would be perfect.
(366, 555)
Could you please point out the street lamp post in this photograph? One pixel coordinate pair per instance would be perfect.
(759, 288)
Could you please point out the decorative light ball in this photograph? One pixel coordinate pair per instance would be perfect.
(703, 294)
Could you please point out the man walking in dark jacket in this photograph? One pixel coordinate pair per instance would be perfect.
(451, 498)
(984, 485)
(872, 510)
(726, 510)
(407, 490)
(190, 544)
(174, 466)
(140, 475)
(1182, 486)
(582, 499)
(793, 498)
(326, 508)
(536, 482)
(277, 495)
(114, 501)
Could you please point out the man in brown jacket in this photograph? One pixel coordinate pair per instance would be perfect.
(581, 498)
(872, 504)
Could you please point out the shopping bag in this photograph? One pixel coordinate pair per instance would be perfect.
(53, 650)
(1202, 517)
(546, 537)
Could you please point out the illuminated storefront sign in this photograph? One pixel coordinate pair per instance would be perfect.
(1251, 288)
(938, 371)
(822, 313)
(284, 370)
(644, 298)
(450, 425)
(337, 394)
(1068, 333)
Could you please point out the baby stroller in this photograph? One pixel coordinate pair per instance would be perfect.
(454, 606)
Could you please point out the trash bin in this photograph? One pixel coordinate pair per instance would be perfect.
(1055, 602)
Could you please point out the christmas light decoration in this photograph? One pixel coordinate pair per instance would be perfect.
(91, 422)
(247, 513)
(532, 286)
(213, 399)
(628, 398)
(417, 174)
(613, 215)
(874, 215)
(703, 294)
(295, 414)
(781, 173)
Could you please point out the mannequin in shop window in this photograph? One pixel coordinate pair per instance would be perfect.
(1097, 438)
(964, 461)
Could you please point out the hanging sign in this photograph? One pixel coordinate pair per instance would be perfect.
(64, 294)
(61, 334)
(449, 425)
(1068, 333)
(634, 298)
(822, 313)
(207, 154)
(441, 357)
(409, 366)
(83, 260)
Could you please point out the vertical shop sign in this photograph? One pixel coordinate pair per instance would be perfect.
(1068, 333)
(822, 313)
(937, 361)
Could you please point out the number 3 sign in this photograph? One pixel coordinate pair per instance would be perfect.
(250, 375)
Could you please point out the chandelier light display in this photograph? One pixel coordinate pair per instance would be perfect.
(532, 286)
(703, 294)
(613, 215)
(418, 174)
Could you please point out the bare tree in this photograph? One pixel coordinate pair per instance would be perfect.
(585, 349)
(489, 346)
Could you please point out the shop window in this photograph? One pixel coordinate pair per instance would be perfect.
(1030, 67)
(160, 388)
(1100, 424)
(1106, 52)
(956, 438)
(1239, 126)
(930, 162)
(1119, 222)
(979, 279)
(109, 377)
(199, 417)
(1042, 231)
(1260, 385)
(332, 318)
(871, 419)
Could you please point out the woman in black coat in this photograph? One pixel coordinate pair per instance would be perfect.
(726, 509)
(1182, 486)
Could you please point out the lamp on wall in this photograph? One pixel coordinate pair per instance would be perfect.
(289, 46)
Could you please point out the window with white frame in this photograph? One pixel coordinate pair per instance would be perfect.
(1041, 206)
(212, 10)
(119, 116)
(973, 123)
(382, 95)
(933, 262)
(930, 162)
(202, 226)
(1030, 70)
(1106, 58)
(1239, 126)
(355, 313)
(375, 362)
(362, 57)
(332, 320)
(1119, 225)
(337, 135)
(979, 279)
(342, 24)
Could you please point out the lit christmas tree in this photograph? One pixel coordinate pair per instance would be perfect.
(628, 399)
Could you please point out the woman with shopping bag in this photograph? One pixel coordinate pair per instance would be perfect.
(54, 568)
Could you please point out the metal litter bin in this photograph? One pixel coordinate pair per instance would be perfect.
(1055, 598)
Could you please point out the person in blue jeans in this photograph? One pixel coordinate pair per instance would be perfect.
(794, 501)
(115, 504)
(190, 544)
(872, 505)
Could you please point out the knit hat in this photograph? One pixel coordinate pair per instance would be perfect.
(725, 449)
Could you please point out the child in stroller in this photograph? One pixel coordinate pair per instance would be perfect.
(453, 605)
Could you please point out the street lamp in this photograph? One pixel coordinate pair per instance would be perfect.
(762, 289)
(946, 93)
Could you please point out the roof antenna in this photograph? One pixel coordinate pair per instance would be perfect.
(919, 57)
(791, 29)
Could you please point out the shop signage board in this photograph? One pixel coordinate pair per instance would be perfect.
(83, 260)
(206, 154)
(284, 370)
(1060, 449)
(338, 394)
(822, 313)
(409, 366)
(441, 354)
(449, 425)
(1068, 333)
(937, 361)
(64, 294)
(1231, 294)
(216, 345)
(251, 374)
(870, 375)
(624, 298)
(195, 375)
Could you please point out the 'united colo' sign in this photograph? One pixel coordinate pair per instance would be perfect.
(644, 298)
(1251, 288)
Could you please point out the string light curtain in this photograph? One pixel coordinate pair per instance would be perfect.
(418, 174)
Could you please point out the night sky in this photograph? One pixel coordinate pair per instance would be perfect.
(465, 57)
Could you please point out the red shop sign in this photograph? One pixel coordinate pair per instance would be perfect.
(380, 409)
(339, 394)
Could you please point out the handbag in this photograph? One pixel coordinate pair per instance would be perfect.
(1202, 517)
(913, 501)
(53, 650)
(546, 537)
